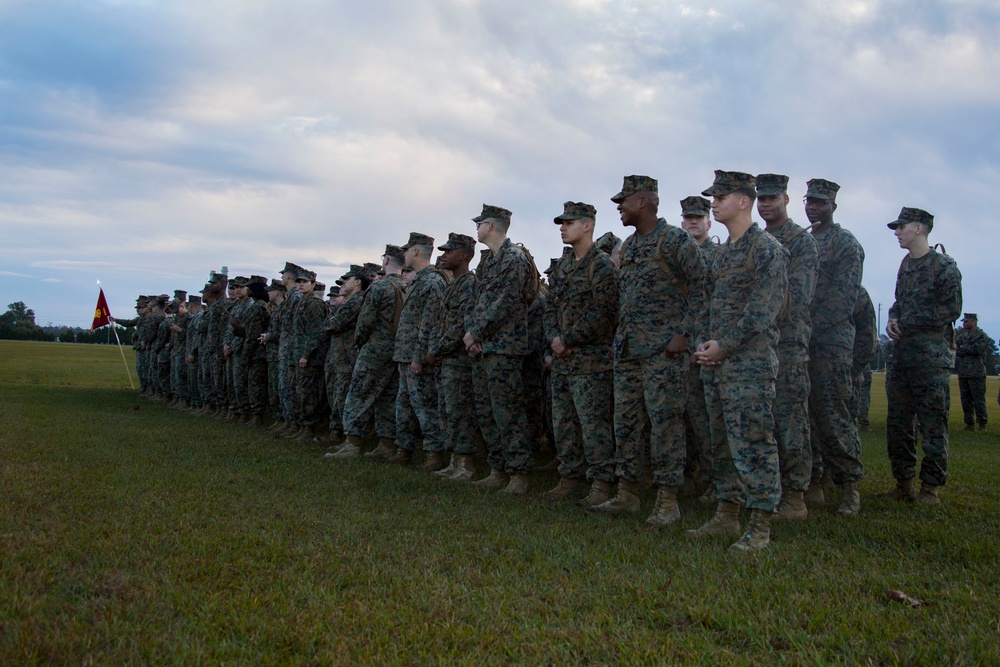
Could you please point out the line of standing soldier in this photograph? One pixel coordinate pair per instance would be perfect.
(725, 370)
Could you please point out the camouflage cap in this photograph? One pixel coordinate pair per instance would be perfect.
(393, 251)
(912, 215)
(214, 276)
(456, 241)
(276, 286)
(258, 279)
(695, 205)
(407, 269)
(141, 298)
(290, 267)
(770, 185)
(206, 288)
(576, 210)
(727, 182)
(416, 238)
(493, 213)
(636, 183)
(334, 290)
(372, 269)
(607, 242)
(339, 282)
(194, 300)
(553, 263)
(239, 281)
(970, 316)
(180, 295)
(818, 188)
(320, 287)
(305, 274)
(162, 299)
(356, 271)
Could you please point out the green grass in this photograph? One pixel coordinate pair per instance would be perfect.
(132, 533)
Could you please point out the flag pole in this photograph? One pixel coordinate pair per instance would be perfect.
(115, 330)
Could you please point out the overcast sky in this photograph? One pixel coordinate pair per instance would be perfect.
(145, 143)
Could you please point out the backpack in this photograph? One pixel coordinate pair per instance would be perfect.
(534, 277)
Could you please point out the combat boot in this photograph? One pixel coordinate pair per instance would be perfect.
(564, 488)
(814, 494)
(982, 426)
(256, 421)
(665, 511)
(970, 427)
(433, 463)
(928, 494)
(402, 457)
(627, 500)
(600, 492)
(757, 535)
(293, 432)
(351, 449)
(707, 499)
(850, 500)
(307, 433)
(386, 449)
(495, 481)
(449, 470)
(519, 484)
(792, 506)
(903, 491)
(278, 425)
(465, 468)
(725, 522)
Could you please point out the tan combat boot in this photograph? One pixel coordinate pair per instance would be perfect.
(449, 470)
(293, 432)
(725, 522)
(792, 506)
(928, 494)
(814, 494)
(707, 499)
(465, 468)
(627, 500)
(351, 449)
(666, 511)
(495, 481)
(564, 488)
(757, 535)
(519, 484)
(903, 491)
(386, 449)
(434, 462)
(402, 457)
(850, 500)
(600, 492)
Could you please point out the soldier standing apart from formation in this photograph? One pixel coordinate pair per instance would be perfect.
(836, 443)
(928, 301)
(580, 318)
(416, 398)
(497, 331)
(447, 350)
(791, 399)
(375, 379)
(661, 289)
(971, 346)
(738, 335)
(696, 221)
(865, 346)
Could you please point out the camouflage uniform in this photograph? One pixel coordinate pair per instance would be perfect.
(928, 301)
(341, 357)
(747, 290)
(499, 322)
(215, 327)
(456, 385)
(250, 359)
(791, 399)
(161, 352)
(697, 431)
(865, 346)
(417, 395)
(178, 355)
(287, 361)
(582, 310)
(192, 347)
(307, 335)
(971, 348)
(375, 380)
(836, 443)
(662, 287)
(271, 353)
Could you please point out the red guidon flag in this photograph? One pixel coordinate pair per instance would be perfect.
(101, 314)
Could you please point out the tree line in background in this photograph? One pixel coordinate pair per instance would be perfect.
(18, 323)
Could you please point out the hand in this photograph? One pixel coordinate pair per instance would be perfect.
(559, 347)
(709, 354)
(678, 345)
(226, 350)
(548, 363)
(235, 322)
(262, 339)
(475, 350)
(892, 328)
(111, 318)
(416, 367)
(303, 362)
(430, 360)
(190, 359)
(174, 327)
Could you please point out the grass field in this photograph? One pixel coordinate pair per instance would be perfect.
(131, 533)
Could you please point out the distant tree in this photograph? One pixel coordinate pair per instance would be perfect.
(18, 323)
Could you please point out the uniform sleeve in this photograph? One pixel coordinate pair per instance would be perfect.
(345, 317)
(843, 272)
(368, 315)
(694, 271)
(766, 298)
(429, 313)
(312, 313)
(500, 298)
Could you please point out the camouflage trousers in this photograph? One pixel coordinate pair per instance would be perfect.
(179, 376)
(286, 384)
(861, 399)
(696, 429)
(456, 407)
(918, 396)
(582, 419)
(163, 372)
(791, 424)
(308, 384)
(972, 391)
(218, 366)
(273, 395)
(744, 451)
(484, 415)
(338, 383)
(650, 394)
(194, 383)
(534, 396)
(249, 384)
(505, 419)
(140, 368)
(836, 444)
(417, 409)
(374, 385)
(205, 386)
